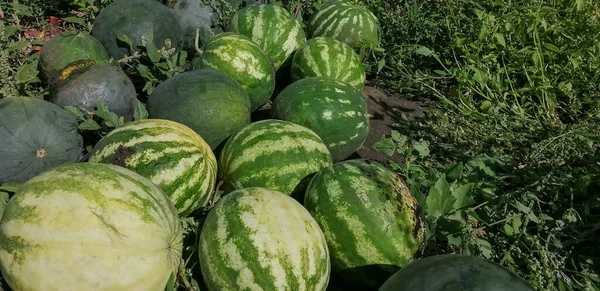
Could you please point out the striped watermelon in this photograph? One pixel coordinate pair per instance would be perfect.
(274, 154)
(336, 111)
(240, 58)
(328, 57)
(372, 222)
(348, 22)
(169, 154)
(273, 28)
(211, 103)
(89, 226)
(259, 239)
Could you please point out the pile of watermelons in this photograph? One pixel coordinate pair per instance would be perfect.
(286, 207)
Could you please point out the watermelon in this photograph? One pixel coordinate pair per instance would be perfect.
(454, 272)
(275, 30)
(274, 154)
(169, 154)
(328, 57)
(35, 135)
(89, 226)
(196, 15)
(141, 21)
(351, 23)
(83, 84)
(372, 222)
(260, 239)
(336, 111)
(68, 47)
(211, 103)
(240, 58)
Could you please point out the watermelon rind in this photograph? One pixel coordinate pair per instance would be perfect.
(169, 154)
(89, 226)
(331, 58)
(336, 111)
(372, 222)
(260, 239)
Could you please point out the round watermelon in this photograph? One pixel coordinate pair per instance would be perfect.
(454, 272)
(372, 222)
(336, 111)
(351, 23)
(142, 21)
(331, 58)
(169, 154)
(68, 47)
(260, 239)
(35, 135)
(274, 154)
(240, 58)
(85, 83)
(88, 226)
(209, 102)
(275, 30)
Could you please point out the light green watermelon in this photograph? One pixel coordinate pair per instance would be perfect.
(260, 239)
(372, 222)
(349, 22)
(170, 154)
(276, 31)
(240, 58)
(89, 226)
(328, 57)
(336, 111)
(211, 103)
(274, 154)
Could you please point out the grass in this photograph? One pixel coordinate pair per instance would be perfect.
(506, 164)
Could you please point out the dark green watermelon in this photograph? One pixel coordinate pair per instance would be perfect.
(454, 273)
(35, 135)
(68, 47)
(84, 84)
(141, 20)
(209, 102)
(334, 110)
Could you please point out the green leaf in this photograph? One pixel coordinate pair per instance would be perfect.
(9, 31)
(463, 196)
(110, 119)
(152, 51)
(485, 248)
(4, 197)
(89, 124)
(424, 51)
(454, 171)
(140, 111)
(500, 38)
(75, 112)
(422, 147)
(522, 207)
(385, 146)
(171, 283)
(125, 39)
(552, 47)
(380, 65)
(11, 186)
(76, 20)
(17, 45)
(26, 73)
(440, 199)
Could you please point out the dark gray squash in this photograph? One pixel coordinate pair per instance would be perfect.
(35, 136)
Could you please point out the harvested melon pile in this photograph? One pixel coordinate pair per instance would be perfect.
(284, 203)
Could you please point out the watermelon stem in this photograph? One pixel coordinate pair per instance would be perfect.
(184, 279)
(196, 41)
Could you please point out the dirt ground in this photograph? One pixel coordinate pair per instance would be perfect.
(385, 109)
